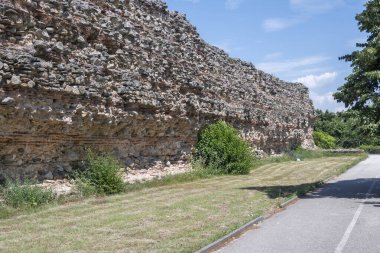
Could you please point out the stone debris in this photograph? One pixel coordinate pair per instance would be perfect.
(66, 186)
(155, 172)
(59, 187)
(130, 78)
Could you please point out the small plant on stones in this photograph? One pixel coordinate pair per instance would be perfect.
(101, 175)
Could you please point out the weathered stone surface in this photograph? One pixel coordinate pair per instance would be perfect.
(131, 78)
(7, 101)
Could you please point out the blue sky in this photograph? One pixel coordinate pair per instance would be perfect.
(295, 40)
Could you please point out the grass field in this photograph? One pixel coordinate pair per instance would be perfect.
(174, 218)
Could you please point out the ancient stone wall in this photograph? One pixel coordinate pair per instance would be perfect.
(130, 78)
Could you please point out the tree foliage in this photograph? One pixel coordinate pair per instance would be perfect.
(361, 90)
(324, 140)
(349, 128)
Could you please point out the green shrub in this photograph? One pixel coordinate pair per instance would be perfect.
(26, 195)
(371, 149)
(101, 175)
(221, 149)
(85, 187)
(324, 140)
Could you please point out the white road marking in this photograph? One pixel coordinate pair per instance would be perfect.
(350, 227)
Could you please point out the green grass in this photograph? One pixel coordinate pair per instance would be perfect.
(301, 154)
(179, 214)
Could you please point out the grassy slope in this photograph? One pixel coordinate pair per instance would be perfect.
(179, 217)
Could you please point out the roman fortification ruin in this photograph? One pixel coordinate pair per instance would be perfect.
(129, 78)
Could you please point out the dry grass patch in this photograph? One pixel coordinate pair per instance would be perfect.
(175, 218)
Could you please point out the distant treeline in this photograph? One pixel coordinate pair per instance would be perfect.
(349, 128)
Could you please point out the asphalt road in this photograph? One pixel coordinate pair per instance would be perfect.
(343, 216)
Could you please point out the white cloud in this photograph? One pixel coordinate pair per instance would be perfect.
(290, 65)
(315, 6)
(326, 102)
(322, 99)
(303, 10)
(233, 4)
(317, 81)
(274, 55)
(276, 24)
(308, 70)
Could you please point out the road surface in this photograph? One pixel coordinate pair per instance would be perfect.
(343, 216)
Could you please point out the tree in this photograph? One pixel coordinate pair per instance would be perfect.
(349, 128)
(362, 91)
(324, 140)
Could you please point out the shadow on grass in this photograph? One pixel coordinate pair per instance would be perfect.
(348, 189)
(285, 190)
